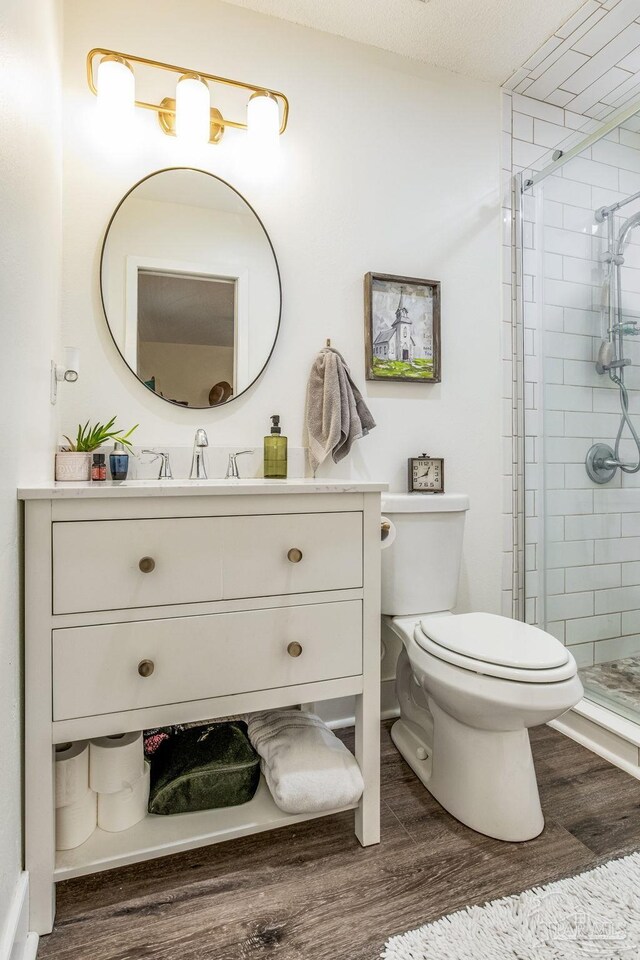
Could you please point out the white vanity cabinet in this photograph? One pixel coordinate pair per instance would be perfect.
(148, 604)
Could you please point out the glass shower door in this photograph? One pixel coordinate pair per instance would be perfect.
(581, 307)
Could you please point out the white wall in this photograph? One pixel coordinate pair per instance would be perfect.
(387, 166)
(30, 248)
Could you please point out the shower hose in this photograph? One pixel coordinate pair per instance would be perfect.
(625, 419)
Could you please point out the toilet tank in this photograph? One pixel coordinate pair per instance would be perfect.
(421, 568)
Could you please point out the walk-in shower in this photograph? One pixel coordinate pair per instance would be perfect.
(579, 299)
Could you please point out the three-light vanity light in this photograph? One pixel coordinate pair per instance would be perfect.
(188, 114)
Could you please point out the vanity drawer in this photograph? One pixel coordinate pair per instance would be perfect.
(292, 553)
(116, 564)
(101, 669)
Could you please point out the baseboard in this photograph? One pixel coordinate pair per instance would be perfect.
(344, 722)
(338, 714)
(599, 730)
(16, 943)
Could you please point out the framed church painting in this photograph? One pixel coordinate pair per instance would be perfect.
(402, 328)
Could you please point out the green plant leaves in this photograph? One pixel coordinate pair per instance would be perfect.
(90, 438)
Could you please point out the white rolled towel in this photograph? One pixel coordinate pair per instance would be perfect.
(306, 767)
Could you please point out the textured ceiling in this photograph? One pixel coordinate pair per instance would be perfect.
(485, 39)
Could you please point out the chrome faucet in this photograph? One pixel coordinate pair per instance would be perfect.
(232, 466)
(165, 466)
(198, 465)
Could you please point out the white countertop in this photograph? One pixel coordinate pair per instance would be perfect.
(107, 489)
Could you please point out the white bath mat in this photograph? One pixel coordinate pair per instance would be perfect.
(594, 916)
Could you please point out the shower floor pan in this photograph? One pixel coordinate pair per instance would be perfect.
(615, 684)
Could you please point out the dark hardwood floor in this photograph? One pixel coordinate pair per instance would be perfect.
(310, 892)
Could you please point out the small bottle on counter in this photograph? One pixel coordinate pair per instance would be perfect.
(119, 462)
(275, 452)
(99, 467)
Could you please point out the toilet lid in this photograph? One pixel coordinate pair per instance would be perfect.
(497, 640)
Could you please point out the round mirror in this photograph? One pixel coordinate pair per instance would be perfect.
(190, 287)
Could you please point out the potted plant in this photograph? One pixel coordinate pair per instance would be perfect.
(73, 460)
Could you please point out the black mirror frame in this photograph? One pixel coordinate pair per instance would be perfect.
(174, 403)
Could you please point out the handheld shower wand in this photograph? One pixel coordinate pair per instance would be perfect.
(602, 461)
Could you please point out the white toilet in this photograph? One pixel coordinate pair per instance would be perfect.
(469, 685)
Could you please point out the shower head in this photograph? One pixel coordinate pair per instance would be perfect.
(626, 228)
(606, 357)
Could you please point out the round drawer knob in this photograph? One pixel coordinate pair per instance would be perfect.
(294, 555)
(147, 564)
(146, 668)
(294, 649)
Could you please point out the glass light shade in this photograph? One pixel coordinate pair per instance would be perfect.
(116, 90)
(193, 106)
(263, 122)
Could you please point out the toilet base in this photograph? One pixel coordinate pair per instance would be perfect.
(413, 747)
(484, 778)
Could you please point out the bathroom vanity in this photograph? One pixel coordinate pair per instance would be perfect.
(154, 603)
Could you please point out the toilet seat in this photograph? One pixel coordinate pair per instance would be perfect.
(496, 647)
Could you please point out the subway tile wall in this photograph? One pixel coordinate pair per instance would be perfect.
(574, 565)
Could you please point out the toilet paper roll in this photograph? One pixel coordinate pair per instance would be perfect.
(115, 762)
(76, 822)
(72, 772)
(387, 532)
(121, 810)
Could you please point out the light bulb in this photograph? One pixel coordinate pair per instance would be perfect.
(193, 106)
(263, 122)
(116, 90)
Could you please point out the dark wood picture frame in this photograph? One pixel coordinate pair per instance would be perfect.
(406, 369)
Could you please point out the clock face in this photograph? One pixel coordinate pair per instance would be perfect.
(426, 475)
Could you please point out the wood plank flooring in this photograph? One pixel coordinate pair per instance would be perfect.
(310, 892)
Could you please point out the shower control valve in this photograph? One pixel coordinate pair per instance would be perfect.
(601, 463)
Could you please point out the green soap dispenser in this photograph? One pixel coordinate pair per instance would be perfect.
(275, 452)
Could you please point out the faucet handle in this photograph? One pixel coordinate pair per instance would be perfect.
(165, 465)
(232, 466)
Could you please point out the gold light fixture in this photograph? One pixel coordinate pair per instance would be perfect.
(111, 77)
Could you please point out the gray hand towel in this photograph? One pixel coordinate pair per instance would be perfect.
(336, 412)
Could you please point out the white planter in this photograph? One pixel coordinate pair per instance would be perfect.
(73, 466)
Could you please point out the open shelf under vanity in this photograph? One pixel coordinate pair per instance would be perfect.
(158, 836)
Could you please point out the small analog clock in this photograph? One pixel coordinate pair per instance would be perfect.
(426, 474)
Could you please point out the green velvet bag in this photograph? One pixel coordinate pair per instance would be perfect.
(202, 768)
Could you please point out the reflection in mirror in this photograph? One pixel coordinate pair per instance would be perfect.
(190, 288)
(186, 334)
